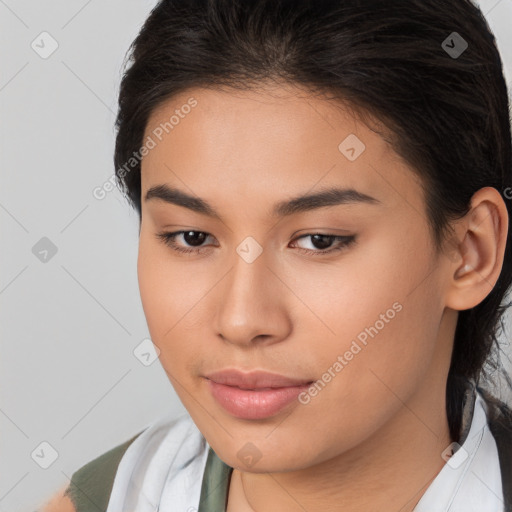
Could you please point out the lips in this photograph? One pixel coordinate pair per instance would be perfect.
(256, 395)
(255, 380)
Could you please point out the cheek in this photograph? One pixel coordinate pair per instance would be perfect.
(162, 289)
(171, 300)
(150, 286)
(371, 363)
(383, 286)
(378, 313)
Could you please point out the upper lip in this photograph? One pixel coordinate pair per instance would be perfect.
(254, 380)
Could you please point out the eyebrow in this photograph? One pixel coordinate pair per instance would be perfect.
(299, 204)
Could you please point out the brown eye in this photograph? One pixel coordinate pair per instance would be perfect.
(192, 238)
(323, 242)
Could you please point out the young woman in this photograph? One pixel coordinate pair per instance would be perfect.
(324, 190)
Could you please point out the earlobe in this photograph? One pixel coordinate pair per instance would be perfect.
(481, 252)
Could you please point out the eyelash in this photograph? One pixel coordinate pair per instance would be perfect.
(168, 239)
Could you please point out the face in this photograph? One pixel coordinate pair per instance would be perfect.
(345, 293)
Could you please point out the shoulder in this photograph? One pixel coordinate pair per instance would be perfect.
(94, 481)
(90, 483)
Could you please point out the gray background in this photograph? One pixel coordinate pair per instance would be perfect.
(70, 324)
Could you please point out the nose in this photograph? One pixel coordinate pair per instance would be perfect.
(253, 304)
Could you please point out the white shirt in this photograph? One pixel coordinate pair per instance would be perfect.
(163, 470)
(471, 479)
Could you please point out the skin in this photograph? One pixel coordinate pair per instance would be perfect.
(372, 438)
(59, 503)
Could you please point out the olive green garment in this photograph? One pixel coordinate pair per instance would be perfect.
(91, 485)
(214, 490)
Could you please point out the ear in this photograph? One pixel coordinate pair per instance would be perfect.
(479, 244)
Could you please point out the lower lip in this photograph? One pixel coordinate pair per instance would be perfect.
(251, 404)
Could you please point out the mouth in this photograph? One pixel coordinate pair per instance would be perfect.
(255, 380)
(255, 395)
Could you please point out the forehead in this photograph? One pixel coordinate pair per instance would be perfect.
(268, 142)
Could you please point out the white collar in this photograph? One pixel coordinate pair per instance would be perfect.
(470, 481)
(162, 469)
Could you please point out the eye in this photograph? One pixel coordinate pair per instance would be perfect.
(169, 239)
(196, 238)
(324, 240)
